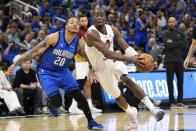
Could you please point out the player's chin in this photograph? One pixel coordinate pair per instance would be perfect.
(74, 31)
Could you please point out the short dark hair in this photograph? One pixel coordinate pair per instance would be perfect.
(69, 19)
(80, 16)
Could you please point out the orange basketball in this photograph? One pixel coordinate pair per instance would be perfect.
(149, 63)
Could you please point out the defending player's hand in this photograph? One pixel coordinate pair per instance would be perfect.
(93, 79)
(92, 76)
(137, 60)
(186, 62)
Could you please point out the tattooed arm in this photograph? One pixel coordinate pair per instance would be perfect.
(39, 49)
(192, 50)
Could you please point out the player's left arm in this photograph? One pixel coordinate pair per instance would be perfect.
(81, 49)
(123, 44)
(192, 48)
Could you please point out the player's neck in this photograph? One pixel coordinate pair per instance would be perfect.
(101, 29)
(69, 36)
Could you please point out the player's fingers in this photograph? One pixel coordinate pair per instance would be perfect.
(141, 58)
(141, 64)
(90, 79)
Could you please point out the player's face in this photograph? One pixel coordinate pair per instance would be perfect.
(99, 18)
(73, 25)
(83, 21)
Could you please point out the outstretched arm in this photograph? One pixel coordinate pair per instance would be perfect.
(37, 50)
(42, 46)
(93, 39)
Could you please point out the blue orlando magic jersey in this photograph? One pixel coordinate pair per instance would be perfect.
(58, 57)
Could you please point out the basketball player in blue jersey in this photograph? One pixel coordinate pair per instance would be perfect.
(56, 51)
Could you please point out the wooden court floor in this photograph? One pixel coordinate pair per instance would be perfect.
(174, 120)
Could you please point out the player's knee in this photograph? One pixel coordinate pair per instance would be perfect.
(55, 101)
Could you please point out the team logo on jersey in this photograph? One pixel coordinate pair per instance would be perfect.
(71, 46)
(61, 45)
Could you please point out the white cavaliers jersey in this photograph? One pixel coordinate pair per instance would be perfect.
(96, 58)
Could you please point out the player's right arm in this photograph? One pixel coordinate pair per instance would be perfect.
(93, 39)
(37, 50)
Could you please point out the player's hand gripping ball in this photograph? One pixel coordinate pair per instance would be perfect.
(148, 63)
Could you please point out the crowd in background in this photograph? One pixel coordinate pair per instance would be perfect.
(140, 22)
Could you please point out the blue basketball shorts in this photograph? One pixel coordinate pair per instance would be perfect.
(52, 81)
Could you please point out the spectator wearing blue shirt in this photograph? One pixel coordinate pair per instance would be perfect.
(130, 38)
(56, 3)
(46, 10)
(125, 4)
(59, 14)
(58, 27)
(35, 24)
(14, 45)
(152, 7)
(141, 30)
(28, 18)
(17, 18)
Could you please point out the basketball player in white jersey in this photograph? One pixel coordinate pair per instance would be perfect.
(99, 50)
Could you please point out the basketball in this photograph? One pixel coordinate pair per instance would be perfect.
(149, 63)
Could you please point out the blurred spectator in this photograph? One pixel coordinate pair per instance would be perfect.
(46, 25)
(141, 30)
(100, 6)
(111, 19)
(46, 10)
(9, 96)
(152, 6)
(14, 43)
(161, 19)
(41, 35)
(130, 38)
(111, 6)
(28, 18)
(59, 14)
(156, 51)
(35, 24)
(27, 30)
(17, 18)
(125, 5)
(27, 41)
(13, 24)
(26, 86)
(125, 28)
(4, 63)
(181, 5)
(80, 10)
(58, 27)
(3, 41)
(4, 21)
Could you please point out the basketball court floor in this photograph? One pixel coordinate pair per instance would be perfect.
(174, 120)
